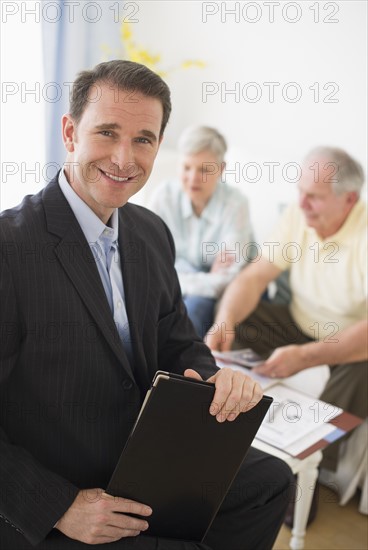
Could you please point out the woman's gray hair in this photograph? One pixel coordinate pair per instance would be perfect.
(196, 139)
(347, 175)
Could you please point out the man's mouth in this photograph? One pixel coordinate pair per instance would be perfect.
(118, 179)
(115, 178)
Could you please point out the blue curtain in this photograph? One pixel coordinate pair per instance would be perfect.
(76, 36)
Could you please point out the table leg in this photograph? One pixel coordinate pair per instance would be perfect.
(307, 477)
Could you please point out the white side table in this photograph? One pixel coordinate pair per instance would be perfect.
(307, 472)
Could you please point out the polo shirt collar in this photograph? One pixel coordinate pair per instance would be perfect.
(347, 227)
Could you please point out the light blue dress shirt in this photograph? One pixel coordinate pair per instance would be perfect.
(223, 227)
(103, 241)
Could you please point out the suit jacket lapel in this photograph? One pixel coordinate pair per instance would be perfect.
(136, 277)
(76, 258)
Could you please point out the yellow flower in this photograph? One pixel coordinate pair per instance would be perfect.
(143, 56)
(193, 63)
(126, 31)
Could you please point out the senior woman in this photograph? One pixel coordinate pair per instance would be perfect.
(209, 221)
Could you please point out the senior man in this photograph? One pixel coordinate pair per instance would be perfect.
(322, 242)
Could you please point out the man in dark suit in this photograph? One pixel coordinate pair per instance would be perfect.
(90, 309)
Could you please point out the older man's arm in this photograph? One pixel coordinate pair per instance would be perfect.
(239, 300)
(351, 346)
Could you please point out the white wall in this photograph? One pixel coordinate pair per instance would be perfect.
(236, 53)
(22, 126)
(90, 33)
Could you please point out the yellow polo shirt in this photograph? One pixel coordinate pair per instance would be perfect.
(328, 277)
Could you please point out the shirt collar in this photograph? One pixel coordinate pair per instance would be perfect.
(208, 211)
(91, 224)
(345, 230)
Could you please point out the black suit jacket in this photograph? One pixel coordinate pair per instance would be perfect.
(69, 395)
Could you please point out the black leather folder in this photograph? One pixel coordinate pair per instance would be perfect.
(179, 459)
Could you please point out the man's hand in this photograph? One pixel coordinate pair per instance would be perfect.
(235, 393)
(93, 518)
(283, 362)
(222, 263)
(220, 336)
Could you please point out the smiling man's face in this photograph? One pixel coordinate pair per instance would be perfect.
(112, 148)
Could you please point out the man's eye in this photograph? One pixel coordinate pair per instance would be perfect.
(143, 140)
(106, 133)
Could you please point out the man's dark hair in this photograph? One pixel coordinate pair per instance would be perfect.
(124, 75)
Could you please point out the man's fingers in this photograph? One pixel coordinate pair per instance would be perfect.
(220, 336)
(127, 523)
(228, 396)
(96, 517)
(223, 381)
(244, 395)
(126, 506)
(235, 393)
(212, 339)
(257, 394)
(235, 400)
(263, 369)
(118, 507)
(111, 534)
(266, 368)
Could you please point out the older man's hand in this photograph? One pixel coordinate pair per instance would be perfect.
(284, 361)
(235, 393)
(220, 336)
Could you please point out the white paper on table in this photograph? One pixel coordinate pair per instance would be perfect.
(264, 381)
(320, 433)
(245, 357)
(293, 416)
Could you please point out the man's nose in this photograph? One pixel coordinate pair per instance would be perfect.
(123, 158)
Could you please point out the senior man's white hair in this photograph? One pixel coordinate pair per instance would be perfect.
(346, 173)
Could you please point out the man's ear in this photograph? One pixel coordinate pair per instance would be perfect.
(352, 197)
(69, 131)
(223, 166)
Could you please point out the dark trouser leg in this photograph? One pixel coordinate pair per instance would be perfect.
(11, 540)
(249, 518)
(254, 508)
(270, 326)
(346, 388)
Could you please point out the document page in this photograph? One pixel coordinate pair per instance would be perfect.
(264, 381)
(245, 357)
(294, 417)
(244, 360)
